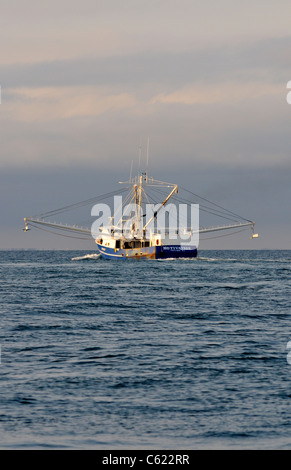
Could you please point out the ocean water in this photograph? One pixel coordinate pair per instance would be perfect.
(170, 354)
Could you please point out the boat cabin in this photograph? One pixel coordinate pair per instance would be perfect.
(117, 244)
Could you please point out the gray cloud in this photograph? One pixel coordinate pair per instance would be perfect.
(267, 58)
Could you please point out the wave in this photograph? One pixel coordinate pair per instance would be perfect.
(89, 256)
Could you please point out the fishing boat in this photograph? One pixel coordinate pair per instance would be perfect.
(137, 227)
(142, 240)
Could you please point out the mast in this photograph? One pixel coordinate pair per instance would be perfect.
(138, 197)
(148, 144)
(139, 205)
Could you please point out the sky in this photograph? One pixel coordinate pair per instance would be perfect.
(83, 82)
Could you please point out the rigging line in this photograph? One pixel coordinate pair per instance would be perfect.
(181, 199)
(66, 208)
(150, 196)
(224, 235)
(59, 234)
(155, 202)
(209, 211)
(79, 204)
(160, 204)
(146, 196)
(217, 205)
(150, 203)
(216, 214)
(171, 216)
(131, 192)
(122, 204)
(125, 200)
(164, 194)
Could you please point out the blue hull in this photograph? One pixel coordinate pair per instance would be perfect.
(175, 251)
(152, 252)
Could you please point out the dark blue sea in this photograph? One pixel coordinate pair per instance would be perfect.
(168, 354)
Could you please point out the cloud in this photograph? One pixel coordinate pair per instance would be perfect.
(212, 99)
(69, 29)
(264, 60)
(226, 92)
(57, 103)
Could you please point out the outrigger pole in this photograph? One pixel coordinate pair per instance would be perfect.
(29, 221)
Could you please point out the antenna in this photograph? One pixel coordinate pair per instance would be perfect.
(130, 174)
(139, 151)
(148, 144)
